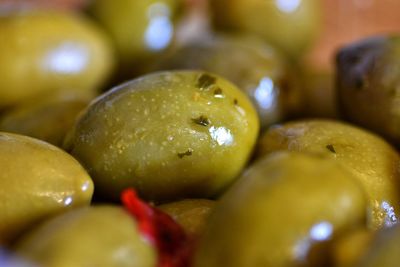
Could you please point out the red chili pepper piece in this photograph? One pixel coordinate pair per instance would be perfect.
(173, 245)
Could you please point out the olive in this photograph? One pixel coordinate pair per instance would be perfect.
(139, 29)
(45, 117)
(170, 135)
(254, 66)
(368, 82)
(284, 209)
(371, 160)
(191, 214)
(90, 236)
(289, 25)
(43, 51)
(37, 180)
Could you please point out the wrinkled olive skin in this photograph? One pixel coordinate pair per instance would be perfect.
(47, 117)
(170, 135)
(139, 29)
(45, 51)
(95, 236)
(384, 251)
(37, 180)
(191, 214)
(371, 160)
(255, 67)
(348, 249)
(368, 85)
(270, 216)
(292, 31)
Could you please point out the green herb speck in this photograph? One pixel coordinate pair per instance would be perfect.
(188, 152)
(205, 81)
(202, 120)
(331, 148)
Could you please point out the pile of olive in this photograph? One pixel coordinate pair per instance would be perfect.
(215, 134)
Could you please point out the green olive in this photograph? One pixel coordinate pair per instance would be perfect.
(368, 78)
(37, 180)
(282, 209)
(46, 51)
(95, 236)
(289, 25)
(47, 117)
(191, 214)
(171, 135)
(372, 160)
(139, 29)
(255, 67)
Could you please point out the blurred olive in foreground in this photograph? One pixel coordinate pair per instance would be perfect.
(371, 160)
(37, 180)
(191, 214)
(170, 135)
(139, 28)
(290, 25)
(45, 51)
(254, 66)
(282, 212)
(45, 117)
(95, 236)
(368, 84)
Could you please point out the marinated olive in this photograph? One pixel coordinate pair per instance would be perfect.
(95, 236)
(282, 209)
(289, 25)
(46, 51)
(46, 117)
(192, 214)
(368, 84)
(37, 180)
(255, 67)
(170, 135)
(371, 160)
(139, 29)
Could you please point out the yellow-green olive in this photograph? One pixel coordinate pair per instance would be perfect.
(289, 25)
(44, 51)
(46, 117)
(37, 180)
(171, 135)
(282, 209)
(191, 214)
(95, 236)
(254, 66)
(139, 29)
(372, 160)
(368, 78)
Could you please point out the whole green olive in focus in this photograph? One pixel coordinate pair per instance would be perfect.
(191, 214)
(37, 180)
(170, 135)
(368, 157)
(91, 236)
(43, 51)
(45, 117)
(139, 28)
(283, 211)
(289, 25)
(368, 85)
(252, 65)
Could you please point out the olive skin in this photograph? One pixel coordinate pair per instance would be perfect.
(368, 82)
(289, 25)
(371, 160)
(252, 65)
(191, 214)
(280, 210)
(170, 135)
(91, 236)
(37, 180)
(46, 117)
(139, 29)
(43, 51)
